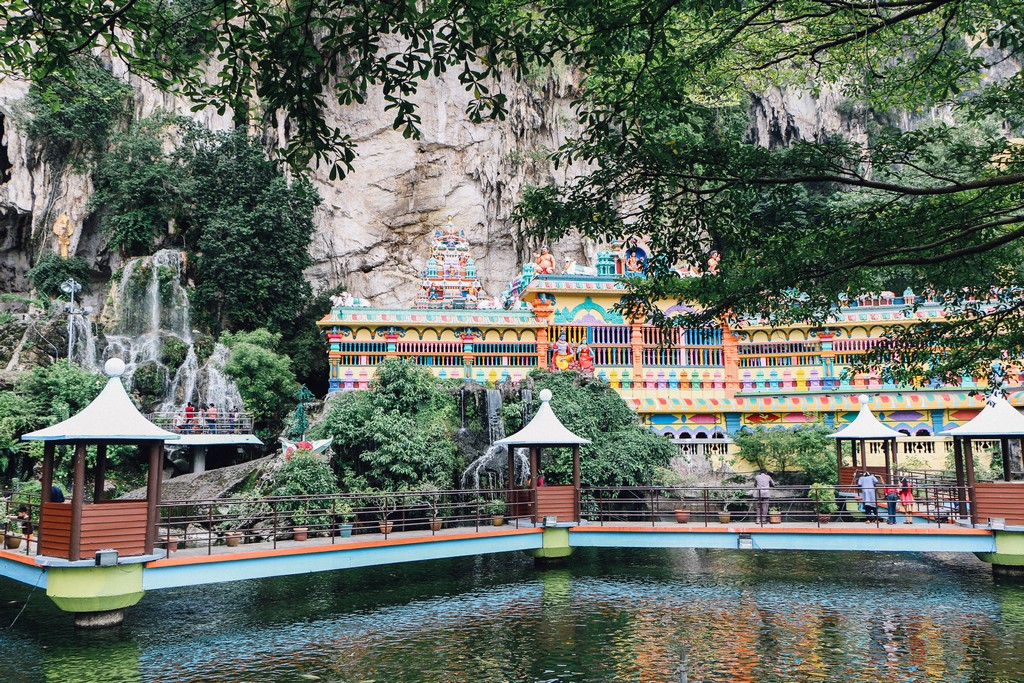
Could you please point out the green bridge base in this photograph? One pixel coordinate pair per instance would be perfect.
(1008, 559)
(97, 596)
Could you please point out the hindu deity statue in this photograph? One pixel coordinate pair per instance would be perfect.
(633, 263)
(585, 358)
(562, 354)
(545, 262)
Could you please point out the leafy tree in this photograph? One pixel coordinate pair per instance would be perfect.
(78, 105)
(294, 56)
(263, 376)
(622, 453)
(137, 188)
(251, 229)
(398, 434)
(58, 391)
(51, 270)
(800, 223)
(305, 475)
(777, 450)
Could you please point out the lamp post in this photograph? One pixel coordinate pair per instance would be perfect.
(72, 287)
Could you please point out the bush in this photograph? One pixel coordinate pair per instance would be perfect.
(777, 450)
(824, 497)
(51, 270)
(264, 377)
(305, 475)
(78, 110)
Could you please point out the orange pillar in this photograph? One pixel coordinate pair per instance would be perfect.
(636, 342)
(731, 360)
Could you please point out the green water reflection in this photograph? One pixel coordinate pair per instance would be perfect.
(609, 616)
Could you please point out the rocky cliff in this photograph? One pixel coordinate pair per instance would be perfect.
(372, 226)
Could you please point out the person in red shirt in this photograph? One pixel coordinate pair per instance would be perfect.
(892, 497)
(190, 416)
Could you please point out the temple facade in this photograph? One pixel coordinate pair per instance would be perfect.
(695, 386)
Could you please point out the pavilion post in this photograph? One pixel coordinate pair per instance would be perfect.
(576, 479)
(958, 463)
(888, 461)
(535, 472)
(47, 480)
(77, 500)
(511, 466)
(839, 461)
(100, 473)
(1004, 447)
(969, 470)
(156, 457)
(895, 449)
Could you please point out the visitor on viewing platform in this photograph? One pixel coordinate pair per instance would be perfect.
(892, 497)
(179, 422)
(232, 417)
(211, 418)
(762, 483)
(867, 483)
(190, 416)
(907, 499)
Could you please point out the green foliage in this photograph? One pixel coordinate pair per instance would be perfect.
(398, 434)
(495, 506)
(776, 450)
(623, 452)
(173, 353)
(304, 342)
(78, 105)
(824, 497)
(16, 418)
(58, 391)
(51, 270)
(263, 376)
(251, 229)
(138, 188)
(305, 475)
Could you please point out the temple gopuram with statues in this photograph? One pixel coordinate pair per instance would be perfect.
(696, 387)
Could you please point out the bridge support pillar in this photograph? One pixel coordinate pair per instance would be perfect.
(1008, 559)
(97, 595)
(555, 549)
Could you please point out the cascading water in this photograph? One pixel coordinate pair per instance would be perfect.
(492, 465)
(150, 309)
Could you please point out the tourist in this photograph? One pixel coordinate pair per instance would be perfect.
(211, 418)
(56, 494)
(907, 499)
(540, 478)
(867, 483)
(190, 416)
(762, 483)
(25, 520)
(892, 498)
(201, 418)
(179, 422)
(232, 416)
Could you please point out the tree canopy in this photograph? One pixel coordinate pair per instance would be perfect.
(932, 203)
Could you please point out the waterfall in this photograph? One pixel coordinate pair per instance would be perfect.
(83, 340)
(495, 425)
(493, 464)
(150, 306)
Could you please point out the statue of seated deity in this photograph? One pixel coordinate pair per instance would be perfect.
(585, 358)
(562, 354)
(545, 262)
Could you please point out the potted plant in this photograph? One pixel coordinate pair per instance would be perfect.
(682, 515)
(232, 538)
(726, 496)
(824, 497)
(300, 530)
(343, 517)
(774, 515)
(496, 509)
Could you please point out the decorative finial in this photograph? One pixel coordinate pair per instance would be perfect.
(863, 399)
(114, 367)
(544, 395)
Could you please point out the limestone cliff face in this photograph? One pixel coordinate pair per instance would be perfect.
(372, 229)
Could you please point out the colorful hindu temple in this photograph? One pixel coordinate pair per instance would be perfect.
(695, 386)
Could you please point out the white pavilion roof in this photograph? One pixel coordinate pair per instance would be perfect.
(545, 429)
(866, 426)
(110, 417)
(997, 418)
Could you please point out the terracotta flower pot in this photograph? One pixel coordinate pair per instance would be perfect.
(497, 520)
(436, 524)
(300, 533)
(12, 541)
(232, 539)
(724, 517)
(682, 516)
(386, 526)
(171, 544)
(775, 519)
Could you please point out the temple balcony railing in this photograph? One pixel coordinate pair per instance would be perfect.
(236, 423)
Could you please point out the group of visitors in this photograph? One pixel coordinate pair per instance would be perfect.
(206, 419)
(894, 494)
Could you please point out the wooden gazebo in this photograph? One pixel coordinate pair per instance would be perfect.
(997, 421)
(864, 429)
(77, 529)
(546, 430)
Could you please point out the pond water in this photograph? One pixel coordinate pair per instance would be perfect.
(609, 615)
